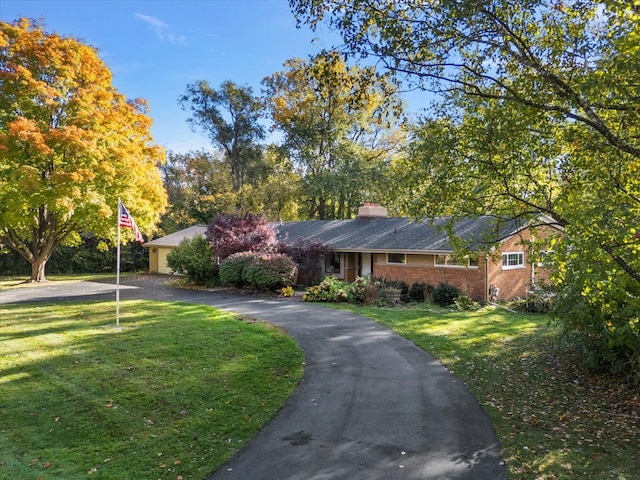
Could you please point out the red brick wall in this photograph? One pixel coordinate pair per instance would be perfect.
(514, 283)
(469, 280)
(511, 283)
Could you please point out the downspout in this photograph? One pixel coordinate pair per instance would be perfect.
(533, 274)
(533, 267)
(486, 278)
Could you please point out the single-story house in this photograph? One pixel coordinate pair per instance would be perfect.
(402, 249)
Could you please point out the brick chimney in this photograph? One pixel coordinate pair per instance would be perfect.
(372, 210)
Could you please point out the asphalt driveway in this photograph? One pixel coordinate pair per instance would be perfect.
(371, 406)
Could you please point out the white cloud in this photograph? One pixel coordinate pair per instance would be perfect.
(162, 30)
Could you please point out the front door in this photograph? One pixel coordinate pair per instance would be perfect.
(365, 264)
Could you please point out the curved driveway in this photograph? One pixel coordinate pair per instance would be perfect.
(371, 406)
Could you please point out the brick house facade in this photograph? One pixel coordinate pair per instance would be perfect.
(412, 252)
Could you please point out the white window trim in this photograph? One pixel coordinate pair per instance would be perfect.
(446, 262)
(513, 267)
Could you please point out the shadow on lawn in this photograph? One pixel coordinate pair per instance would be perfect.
(77, 391)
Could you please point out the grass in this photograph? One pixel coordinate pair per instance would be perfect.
(173, 394)
(554, 420)
(15, 281)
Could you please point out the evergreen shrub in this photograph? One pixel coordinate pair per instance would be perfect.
(417, 292)
(231, 268)
(270, 271)
(445, 294)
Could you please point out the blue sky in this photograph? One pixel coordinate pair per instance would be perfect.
(155, 48)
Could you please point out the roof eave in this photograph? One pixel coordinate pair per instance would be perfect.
(391, 250)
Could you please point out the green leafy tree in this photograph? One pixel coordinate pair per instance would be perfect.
(337, 126)
(539, 108)
(198, 187)
(230, 118)
(539, 113)
(70, 145)
(279, 194)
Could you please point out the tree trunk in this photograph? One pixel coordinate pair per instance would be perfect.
(37, 269)
(41, 249)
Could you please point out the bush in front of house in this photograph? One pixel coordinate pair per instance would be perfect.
(330, 289)
(464, 303)
(308, 256)
(365, 290)
(368, 290)
(231, 268)
(445, 294)
(263, 271)
(417, 292)
(193, 258)
(270, 271)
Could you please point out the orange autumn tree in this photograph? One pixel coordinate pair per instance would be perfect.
(70, 145)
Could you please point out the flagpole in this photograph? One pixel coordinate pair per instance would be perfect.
(118, 269)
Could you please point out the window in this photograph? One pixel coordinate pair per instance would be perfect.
(511, 260)
(332, 263)
(449, 261)
(396, 258)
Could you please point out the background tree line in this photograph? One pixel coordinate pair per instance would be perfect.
(71, 146)
(341, 127)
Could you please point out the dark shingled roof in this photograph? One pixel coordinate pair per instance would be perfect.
(396, 234)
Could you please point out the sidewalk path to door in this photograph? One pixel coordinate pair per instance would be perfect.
(371, 406)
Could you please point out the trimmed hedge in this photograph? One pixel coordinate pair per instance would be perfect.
(231, 268)
(418, 291)
(270, 271)
(263, 271)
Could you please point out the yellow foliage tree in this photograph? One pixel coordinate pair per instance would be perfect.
(70, 146)
(339, 124)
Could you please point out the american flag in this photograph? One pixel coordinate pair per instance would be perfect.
(127, 220)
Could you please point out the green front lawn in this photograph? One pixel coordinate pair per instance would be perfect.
(173, 394)
(15, 281)
(554, 421)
